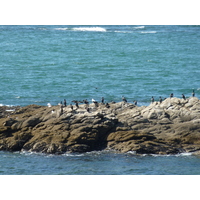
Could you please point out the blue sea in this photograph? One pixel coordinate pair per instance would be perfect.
(47, 64)
(98, 163)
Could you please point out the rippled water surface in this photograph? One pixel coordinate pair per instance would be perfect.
(98, 163)
(41, 64)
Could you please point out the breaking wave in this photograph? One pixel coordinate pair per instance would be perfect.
(61, 29)
(139, 27)
(122, 31)
(101, 29)
(1, 105)
(94, 29)
(98, 29)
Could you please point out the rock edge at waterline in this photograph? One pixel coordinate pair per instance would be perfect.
(170, 127)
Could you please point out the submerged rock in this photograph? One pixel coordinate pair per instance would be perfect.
(170, 127)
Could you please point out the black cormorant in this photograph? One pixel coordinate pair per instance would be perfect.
(124, 99)
(183, 96)
(65, 103)
(193, 94)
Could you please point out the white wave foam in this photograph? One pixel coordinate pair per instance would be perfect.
(148, 32)
(6, 105)
(97, 29)
(72, 154)
(139, 27)
(131, 152)
(119, 31)
(42, 29)
(61, 29)
(28, 153)
(167, 155)
(160, 155)
(122, 31)
(185, 154)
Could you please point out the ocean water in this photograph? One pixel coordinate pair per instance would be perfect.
(97, 163)
(46, 64)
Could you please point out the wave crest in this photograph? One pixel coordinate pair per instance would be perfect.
(139, 27)
(61, 29)
(98, 29)
(148, 32)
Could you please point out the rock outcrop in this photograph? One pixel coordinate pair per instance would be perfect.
(170, 127)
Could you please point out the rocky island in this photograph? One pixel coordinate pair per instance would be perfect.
(169, 127)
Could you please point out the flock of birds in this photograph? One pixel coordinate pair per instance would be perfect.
(86, 102)
(172, 95)
(96, 103)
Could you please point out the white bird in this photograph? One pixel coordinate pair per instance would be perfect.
(93, 101)
(49, 105)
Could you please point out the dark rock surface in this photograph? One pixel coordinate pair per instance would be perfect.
(170, 127)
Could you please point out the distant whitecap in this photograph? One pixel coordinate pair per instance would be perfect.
(61, 29)
(122, 31)
(139, 27)
(98, 29)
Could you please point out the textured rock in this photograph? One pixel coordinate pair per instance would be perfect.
(172, 126)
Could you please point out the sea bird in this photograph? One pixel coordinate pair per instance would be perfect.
(152, 99)
(102, 100)
(160, 99)
(124, 99)
(85, 101)
(171, 95)
(65, 102)
(49, 105)
(107, 105)
(95, 103)
(135, 102)
(193, 94)
(87, 109)
(183, 96)
(76, 103)
(93, 100)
